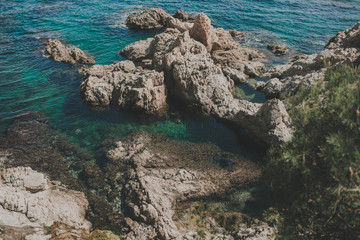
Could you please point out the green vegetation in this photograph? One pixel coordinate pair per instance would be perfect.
(315, 177)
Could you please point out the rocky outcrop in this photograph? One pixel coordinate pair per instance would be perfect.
(199, 65)
(60, 52)
(153, 18)
(29, 201)
(125, 86)
(278, 49)
(236, 34)
(349, 38)
(305, 70)
(183, 16)
(156, 180)
(203, 31)
(31, 142)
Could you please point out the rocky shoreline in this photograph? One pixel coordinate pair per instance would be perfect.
(51, 189)
(192, 63)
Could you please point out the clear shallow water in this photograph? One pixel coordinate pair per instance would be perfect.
(30, 82)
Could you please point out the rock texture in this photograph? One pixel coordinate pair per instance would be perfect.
(183, 16)
(125, 86)
(31, 142)
(60, 52)
(29, 201)
(157, 180)
(153, 18)
(278, 49)
(195, 64)
(304, 70)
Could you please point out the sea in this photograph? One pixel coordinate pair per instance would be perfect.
(30, 82)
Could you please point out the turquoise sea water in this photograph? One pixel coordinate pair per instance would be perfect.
(30, 82)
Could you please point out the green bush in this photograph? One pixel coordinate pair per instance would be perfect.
(315, 177)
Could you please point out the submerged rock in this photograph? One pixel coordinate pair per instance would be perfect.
(305, 70)
(30, 201)
(31, 142)
(158, 176)
(278, 49)
(60, 52)
(153, 18)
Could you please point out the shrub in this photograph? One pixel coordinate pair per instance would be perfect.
(315, 177)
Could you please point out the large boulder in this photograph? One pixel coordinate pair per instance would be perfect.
(29, 201)
(203, 31)
(125, 86)
(153, 18)
(60, 52)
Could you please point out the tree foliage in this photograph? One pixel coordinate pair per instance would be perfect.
(315, 177)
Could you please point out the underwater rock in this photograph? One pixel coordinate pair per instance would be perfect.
(31, 142)
(29, 200)
(278, 49)
(161, 173)
(56, 50)
(125, 86)
(153, 18)
(305, 70)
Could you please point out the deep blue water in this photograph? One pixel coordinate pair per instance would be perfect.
(30, 82)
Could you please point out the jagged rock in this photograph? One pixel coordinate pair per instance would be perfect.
(32, 142)
(153, 18)
(60, 52)
(236, 34)
(183, 16)
(201, 66)
(29, 201)
(238, 62)
(156, 180)
(203, 31)
(305, 70)
(137, 51)
(197, 80)
(349, 38)
(278, 49)
(181, 26)
(125, 86)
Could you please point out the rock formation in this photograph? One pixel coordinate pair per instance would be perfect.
(153, 18)
(29, 201)
(193, 63)
(31, 142)
(125, 86)
(183, 16)
(278, 49)
(304, 70)
(156, 180)
(60, 52)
